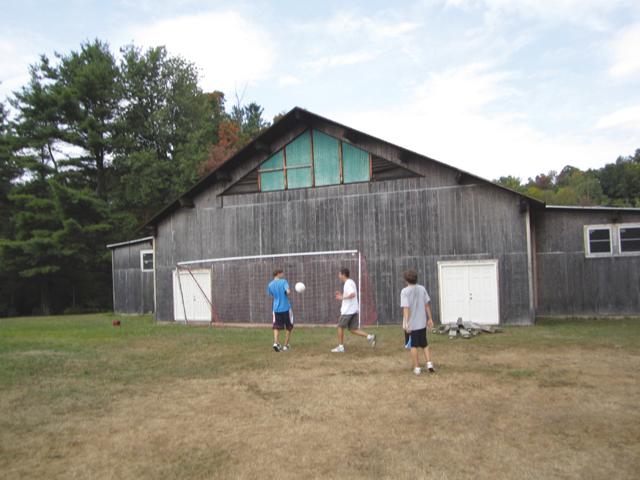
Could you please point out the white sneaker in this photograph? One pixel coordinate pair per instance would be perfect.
(286, 348)
(338, 349)
(430, 367)
(417, 371)
(372, 340)
(276, 347)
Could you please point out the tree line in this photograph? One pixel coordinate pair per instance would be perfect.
(616, 184)
(90, 148)
(96, 142)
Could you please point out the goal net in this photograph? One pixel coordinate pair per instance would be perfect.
(234, 289)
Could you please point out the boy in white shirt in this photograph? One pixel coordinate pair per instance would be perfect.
(349, 312)
(416, 306)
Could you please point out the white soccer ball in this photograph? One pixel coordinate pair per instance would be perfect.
(300, 287)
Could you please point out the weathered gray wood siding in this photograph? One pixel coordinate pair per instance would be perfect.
(133, 288)
(569, 283)
(397, 224)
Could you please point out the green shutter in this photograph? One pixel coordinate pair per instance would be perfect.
(326, 159)
(270, 181)
(274, 161)
(355, 164)
(299, 151)
(298, 177)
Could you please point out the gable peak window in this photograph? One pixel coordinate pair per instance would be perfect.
(314, 159)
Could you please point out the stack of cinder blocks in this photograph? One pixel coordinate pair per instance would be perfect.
(464, 329)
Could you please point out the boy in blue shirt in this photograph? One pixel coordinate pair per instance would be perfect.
(279, 289)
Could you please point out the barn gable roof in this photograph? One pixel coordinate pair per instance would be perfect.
(291, 120)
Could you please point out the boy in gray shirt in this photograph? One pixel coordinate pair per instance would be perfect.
(416, 316)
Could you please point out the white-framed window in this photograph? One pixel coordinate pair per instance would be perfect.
(612, 240)
(146, 260)
(598, 241)
(629, 238)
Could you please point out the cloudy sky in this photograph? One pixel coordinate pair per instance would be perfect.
(495, 87)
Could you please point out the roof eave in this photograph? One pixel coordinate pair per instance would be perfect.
(596, 208)
(130, 242)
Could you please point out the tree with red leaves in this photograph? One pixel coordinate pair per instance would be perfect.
(228, 144)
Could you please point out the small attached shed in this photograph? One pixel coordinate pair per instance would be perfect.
(132, 266)
(587, 260)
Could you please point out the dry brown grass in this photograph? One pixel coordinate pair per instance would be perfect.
(497, 408)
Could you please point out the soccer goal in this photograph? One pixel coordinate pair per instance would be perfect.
(233, 289)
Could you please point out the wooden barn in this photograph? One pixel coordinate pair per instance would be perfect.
(308, 184)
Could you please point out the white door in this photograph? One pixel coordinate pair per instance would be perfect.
(469, 290)
(192, 295)
(454, 293)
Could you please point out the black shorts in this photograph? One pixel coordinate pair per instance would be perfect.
(418, 338)
(282, 320)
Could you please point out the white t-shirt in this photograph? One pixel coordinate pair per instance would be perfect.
(349, 305)
(415, 297)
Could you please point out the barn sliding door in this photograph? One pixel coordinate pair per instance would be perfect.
(192, 295)
(469, 290)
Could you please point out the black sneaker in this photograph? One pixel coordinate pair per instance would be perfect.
(276, 347)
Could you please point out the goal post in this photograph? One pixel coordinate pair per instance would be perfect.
(233, 289)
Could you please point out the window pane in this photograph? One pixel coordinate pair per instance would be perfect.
(270, 181)
(599, 234)
(630, 246)
(274, 161)
(600, 240)
(630, 239)
(355, 164)
(632, 233)
(147, 261)
(326, 160)
(299, 151)
(298, 177)
(600, 247)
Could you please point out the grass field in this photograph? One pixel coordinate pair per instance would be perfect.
(82, 399)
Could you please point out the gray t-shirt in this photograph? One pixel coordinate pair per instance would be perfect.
(415, 297)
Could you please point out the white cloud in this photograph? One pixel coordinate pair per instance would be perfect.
(328, 61)
(625, 53)
(464, 89)
(386, 25)
(289, 80)
(448, 119)
(15, 59)
(229, 50)
(589, 13)
(351, 38)
(625, 118)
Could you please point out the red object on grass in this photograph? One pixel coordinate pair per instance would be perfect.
(116, 323)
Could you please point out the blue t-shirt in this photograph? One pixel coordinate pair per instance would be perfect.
(277, 288)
